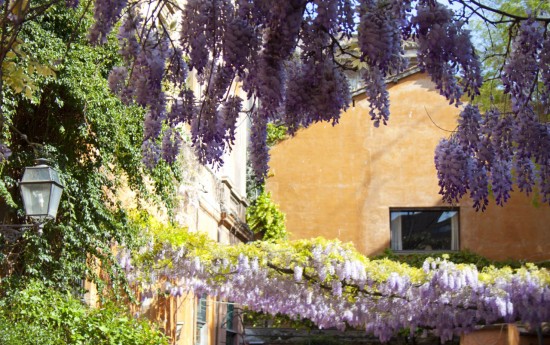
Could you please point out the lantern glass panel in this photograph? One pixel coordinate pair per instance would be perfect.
(41, 191)
(36, 197)
(36, 174)
(55, 198)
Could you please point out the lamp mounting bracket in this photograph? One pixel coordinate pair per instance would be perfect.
(12, 232)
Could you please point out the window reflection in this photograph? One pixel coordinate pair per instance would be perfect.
(424, 230)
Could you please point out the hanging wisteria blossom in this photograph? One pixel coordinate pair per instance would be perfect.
(290, 58)
(332, 285)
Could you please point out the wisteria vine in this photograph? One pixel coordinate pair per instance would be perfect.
(286, 59)
(290, 57)
(332, 285)
(497, 149)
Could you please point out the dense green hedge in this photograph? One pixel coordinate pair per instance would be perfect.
(41, 315)
(458, 257)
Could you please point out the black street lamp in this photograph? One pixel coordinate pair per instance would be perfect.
(41, 192)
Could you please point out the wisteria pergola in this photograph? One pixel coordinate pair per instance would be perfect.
(332, 285)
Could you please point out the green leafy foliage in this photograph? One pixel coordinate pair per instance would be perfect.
(259, 319)
(458, 257)
(94, 142)
(18, 69)
(265, 218)
(492, 44)
(276, 134)
(160, 235)
(41, 315)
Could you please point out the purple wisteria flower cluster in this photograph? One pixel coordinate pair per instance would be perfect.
(5, 152)
(445, 51)
(106, 14)
(333, 286)
(497, 150)
(285, 56)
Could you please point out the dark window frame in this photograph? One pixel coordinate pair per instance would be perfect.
(421, 209)
(229, 316)
(201, 316)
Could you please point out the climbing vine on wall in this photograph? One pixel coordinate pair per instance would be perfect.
(266, 219)
(93, 140)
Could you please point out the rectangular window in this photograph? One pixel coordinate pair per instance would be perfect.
(201, 330)
(229, 316)
(424, 229)
(230, 334)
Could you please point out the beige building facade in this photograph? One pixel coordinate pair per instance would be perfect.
(213, 203)
(355, 182)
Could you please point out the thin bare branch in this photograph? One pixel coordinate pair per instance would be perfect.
(501, 12)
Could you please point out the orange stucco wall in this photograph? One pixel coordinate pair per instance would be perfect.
(339, 182)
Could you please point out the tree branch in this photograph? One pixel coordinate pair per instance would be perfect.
(502, 13)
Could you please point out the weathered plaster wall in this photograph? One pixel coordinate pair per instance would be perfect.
(339, 182)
